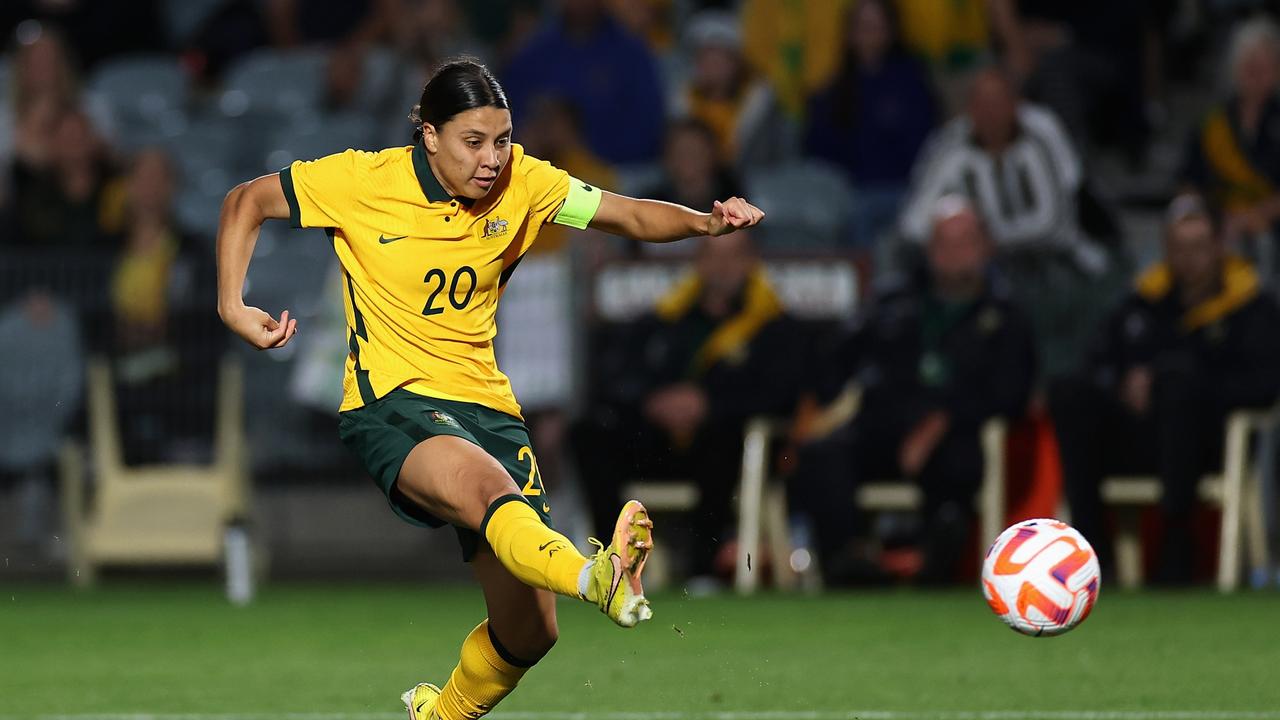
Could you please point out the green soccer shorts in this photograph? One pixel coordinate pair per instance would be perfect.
(382, 433)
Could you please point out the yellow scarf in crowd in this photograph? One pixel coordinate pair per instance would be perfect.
(1240, 284)
(760, 305)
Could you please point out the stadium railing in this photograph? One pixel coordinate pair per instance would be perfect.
(157, 514)
(1237, 491)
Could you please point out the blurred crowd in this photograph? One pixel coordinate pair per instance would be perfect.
(1061, 214)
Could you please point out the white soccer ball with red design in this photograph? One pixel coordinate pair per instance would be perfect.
(1041, 577)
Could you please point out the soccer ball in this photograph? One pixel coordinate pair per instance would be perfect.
(1041, 577)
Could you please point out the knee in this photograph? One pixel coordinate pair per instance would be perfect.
(530, 641)
(542, 636)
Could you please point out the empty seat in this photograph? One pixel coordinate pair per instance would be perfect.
(282, 83)
(317, 137)
(808, 204)
(140, 88)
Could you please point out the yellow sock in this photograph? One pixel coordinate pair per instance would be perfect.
(483, 677)
(537, 555)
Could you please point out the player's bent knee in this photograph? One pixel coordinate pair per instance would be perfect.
(543, 640)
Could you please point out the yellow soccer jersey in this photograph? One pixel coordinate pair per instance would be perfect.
(423, 271)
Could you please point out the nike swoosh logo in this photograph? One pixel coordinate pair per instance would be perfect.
(617, 577)
(384, 239)
(418, 711)
(587, 187)
(546, 507)
(546, 544)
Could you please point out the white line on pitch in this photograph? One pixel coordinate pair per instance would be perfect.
(721, 715)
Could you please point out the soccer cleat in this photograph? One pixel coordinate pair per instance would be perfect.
(420, 701)
(615, 570)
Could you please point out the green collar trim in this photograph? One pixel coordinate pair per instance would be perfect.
(431, 187)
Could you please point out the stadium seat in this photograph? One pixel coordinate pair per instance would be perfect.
(762, 502)
(278, 83)
(380, 80)
(140, 88)
(317, 137)
(207, 154)
(1237, 491)
(807, 204)
(153, 514)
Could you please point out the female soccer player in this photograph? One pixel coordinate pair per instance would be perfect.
(428, 236)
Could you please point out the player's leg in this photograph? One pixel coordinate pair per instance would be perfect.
(520, 630)
(457, 481)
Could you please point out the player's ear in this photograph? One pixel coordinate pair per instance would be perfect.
(429, 137)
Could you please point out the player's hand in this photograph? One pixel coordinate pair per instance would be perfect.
(732, 214)
(258, 328)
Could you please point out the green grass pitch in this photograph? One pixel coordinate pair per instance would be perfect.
(310, 651)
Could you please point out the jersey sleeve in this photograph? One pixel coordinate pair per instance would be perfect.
(319, 192)
(547, 185)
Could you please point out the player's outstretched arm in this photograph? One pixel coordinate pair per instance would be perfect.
(654, 221)
(244, 210)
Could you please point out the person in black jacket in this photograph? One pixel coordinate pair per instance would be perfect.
(929, 363)
(676, 387)
(1197, 339)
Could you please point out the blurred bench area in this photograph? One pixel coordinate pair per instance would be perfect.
(1019, 260)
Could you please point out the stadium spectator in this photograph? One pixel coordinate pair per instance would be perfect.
(588, 58)
(430, 32)
(1195, 340)
(905, 393)
(1233, 157)
(676, 387)
(692, 171)
(796, 46)
(1016, 163)
(43, 82)
(504, 26)
(162, 278)
(1090, 65)
(723, 92)
(958, 37)
(650, 20)
(60, 190)
(873, 119)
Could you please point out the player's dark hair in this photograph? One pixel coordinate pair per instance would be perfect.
(457, 86)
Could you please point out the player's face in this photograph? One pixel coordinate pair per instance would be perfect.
(469, 151)
(1193, 253)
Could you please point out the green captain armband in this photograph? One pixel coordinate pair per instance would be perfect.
(579, 206)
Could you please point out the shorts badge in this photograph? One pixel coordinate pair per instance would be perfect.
(440, 418)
